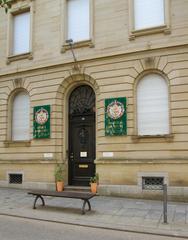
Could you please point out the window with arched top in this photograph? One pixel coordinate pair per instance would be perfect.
(21, 117)
(152, 105)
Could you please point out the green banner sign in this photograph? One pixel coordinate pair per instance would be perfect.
(41, 122)
(115, 117)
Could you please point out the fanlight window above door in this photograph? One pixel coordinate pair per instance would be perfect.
(82, 101)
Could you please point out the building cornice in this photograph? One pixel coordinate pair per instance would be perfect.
(103, 57)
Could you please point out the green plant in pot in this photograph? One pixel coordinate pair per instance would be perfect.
(59, 177)
(94, 181)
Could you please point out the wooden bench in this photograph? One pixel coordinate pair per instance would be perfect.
(65, 194)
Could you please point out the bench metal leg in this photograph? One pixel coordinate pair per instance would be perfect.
(37, 197)
(83, 207)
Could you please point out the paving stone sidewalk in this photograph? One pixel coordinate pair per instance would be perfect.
(107, 212)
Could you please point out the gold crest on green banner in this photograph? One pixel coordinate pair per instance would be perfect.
(115, 116)
(41, 122)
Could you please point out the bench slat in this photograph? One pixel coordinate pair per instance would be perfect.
(65, 194)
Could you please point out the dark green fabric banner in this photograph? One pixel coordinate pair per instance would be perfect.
(115, 116)
(41, 122)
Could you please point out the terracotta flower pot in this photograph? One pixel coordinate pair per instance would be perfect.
(93, 187)
(59, 186)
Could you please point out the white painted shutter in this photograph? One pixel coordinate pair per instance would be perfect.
(152, 105)
(78, 20)
(21, 33)
(148, 13)
(20, 117)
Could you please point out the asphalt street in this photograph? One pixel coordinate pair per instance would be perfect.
(14, 228)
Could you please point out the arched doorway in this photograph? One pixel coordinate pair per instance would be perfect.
(81, 135)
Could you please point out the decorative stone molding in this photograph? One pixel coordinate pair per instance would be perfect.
(79, 77)
(165, 137)
(17, 143)
(18, 82)
(76, 68)
(149, 62)
(19, 57)
(87, 43)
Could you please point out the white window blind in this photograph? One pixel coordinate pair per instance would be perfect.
(152, 105)
(78, 20)
(21, 33)
(20, 117)
(148, 13)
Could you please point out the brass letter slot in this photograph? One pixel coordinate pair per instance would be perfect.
(83, 166)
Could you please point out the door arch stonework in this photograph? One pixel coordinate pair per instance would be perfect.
(69, 83)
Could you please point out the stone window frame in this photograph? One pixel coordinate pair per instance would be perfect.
(166, 29)
(136, 137)
(18, 7)
(9, 142)
(64, 29)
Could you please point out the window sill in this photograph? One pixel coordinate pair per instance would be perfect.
(17, 57)
(167, 137)
(20, 143)
(81, 44)
(147, 31)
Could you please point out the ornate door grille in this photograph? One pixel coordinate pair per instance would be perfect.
(82, 101)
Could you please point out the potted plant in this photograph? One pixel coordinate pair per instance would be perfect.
(94, 181)
(59, 177)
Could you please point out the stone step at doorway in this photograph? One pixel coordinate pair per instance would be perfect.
(77, 188)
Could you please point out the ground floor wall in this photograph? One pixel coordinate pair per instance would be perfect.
(34, 175)
(125, 178)
(123, 162)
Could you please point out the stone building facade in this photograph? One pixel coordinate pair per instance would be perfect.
(121, 51)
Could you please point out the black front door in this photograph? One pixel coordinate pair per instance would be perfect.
(81, 135)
